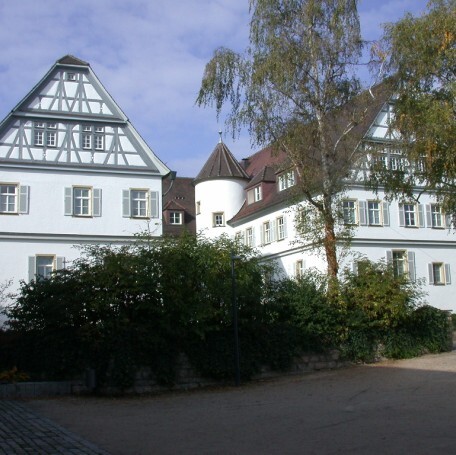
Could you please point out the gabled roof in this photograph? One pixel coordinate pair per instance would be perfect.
(70, 94)
(173, 205)
(264, 165)
(72, 60)
(221, 164)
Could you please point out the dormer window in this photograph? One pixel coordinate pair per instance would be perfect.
(254, 195)
(286, 180)
(71, 76)
(175, 217)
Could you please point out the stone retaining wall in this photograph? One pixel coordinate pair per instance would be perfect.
(186, 379)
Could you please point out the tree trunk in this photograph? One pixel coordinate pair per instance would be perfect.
(330, 247)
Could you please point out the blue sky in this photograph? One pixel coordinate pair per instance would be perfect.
(150, 55)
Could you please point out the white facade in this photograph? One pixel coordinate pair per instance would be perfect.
(73, 171)
(416, 238)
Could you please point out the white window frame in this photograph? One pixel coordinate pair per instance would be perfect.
(281, 227)
(286, 180)
(129, 200)
(9, 193)
(403, 263)
(299, 268)
(44, 270)
(74, 201)
(411, 215)
(250, 237)
(218, 219)
(267, 232)
(139, 203)
(254, 194)
(175, 218)
(349, 207)
(45, 134)
(439, 274)
(374, 213)
(82, 201)
(93, 137)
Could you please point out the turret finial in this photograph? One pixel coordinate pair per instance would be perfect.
(221, 140)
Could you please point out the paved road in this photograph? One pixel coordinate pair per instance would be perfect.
(404, 407)
(24, 432)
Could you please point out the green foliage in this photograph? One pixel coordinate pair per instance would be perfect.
(294, 88)
(422, 59)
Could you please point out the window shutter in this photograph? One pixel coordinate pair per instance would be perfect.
(362, 213)
(389, 258)
(97, 202)
(24, 192)
(273, 226)
(253, 237)
(411, 265)
(447, 274)
(126, 203)
(386, 217)
(285, 234)
(428, 216)
(431, 273)
(401, 215)
(69, 201)
(59, 263)
(154, 204)
(31, 267)
(421, 215)
(448, 220)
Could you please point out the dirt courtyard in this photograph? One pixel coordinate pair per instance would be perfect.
(394, 407)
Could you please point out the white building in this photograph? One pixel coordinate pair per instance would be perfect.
(251, 200)
(73, 171)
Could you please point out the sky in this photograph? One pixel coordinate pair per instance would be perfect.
(150, 55)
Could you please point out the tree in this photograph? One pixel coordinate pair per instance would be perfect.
(420, 52)
(295, 88)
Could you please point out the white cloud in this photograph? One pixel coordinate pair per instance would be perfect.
(149, 55)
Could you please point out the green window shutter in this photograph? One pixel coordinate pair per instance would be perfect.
(431, 273)
(154, 204)
(68, 201)
(386, 217)
(362, 213)
(126, 203)
(411, 265)
(97, 202)
(447, 274)
(421, 215)
(428, 216)
(24, 192)
(31, 267)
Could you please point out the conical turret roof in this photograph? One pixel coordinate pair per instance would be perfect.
(221, 164)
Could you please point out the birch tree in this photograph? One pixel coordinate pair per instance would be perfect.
(295, 88)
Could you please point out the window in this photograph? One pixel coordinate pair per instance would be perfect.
(403, 263)
(198, 207)
(411, 215)
(92, 137)
(140, 203)
(254, 195)
(281, 228)
(349, 211)
(82, 201)
(249, 237)
(175, 218)
(299, 268)
(71, 76)
(14, 198)
(42, 265)
(374, 213)
(435, 217)
(286, 180)
(218, 219)
(439, 273)
(267, 232)
(45, 134)
(8, 198)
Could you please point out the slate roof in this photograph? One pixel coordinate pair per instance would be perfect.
(221, 164)
(264, 166)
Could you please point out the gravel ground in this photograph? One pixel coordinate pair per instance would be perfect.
(394, 407)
